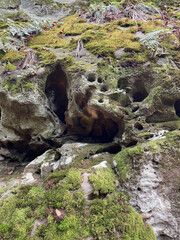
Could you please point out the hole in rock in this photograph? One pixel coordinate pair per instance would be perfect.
(155, 162)
(122, 83)
(92, 77)
(100, 100)
(134, 109)
(177, 107)
(100, 80)
(97, 124)
(56, 92)
(38, 171)
(138, 126)
(139, 96)
(10, 145)
(104, 88)
(139, 189)
(132, 143)
(92, 196)
(112, 149)
(104, 129)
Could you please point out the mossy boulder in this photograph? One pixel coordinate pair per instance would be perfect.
(147, 170)
(63, 212)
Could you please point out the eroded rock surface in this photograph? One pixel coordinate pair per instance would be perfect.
(92, 121)
(153, 183)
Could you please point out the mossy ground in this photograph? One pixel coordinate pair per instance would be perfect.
(108, 218)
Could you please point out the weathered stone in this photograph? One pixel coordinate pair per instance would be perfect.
(153, 183)
(86, 186)
(43, 164)
(119, 52)
(101, 165)
(26, 121)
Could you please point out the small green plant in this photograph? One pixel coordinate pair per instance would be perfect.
(152, 41)
(8, 67)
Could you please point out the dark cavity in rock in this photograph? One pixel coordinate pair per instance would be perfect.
(112, 149)
(92, 77)
(177, 107)
(95, 123)
(56, 92)
(138, 126)
(104, 88)
(139, 96)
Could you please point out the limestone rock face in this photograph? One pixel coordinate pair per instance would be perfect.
(42, 165)
(99, 116)
(25, 121)
(84, 105)
(153, 183)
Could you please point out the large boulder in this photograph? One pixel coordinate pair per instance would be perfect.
(149, 173)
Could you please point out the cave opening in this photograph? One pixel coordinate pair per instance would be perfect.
(139, 96)
(177, 107)
(96, 124)
(56, 92)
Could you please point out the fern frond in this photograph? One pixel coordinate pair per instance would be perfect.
(151, 40)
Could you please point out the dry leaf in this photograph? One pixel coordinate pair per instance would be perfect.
(58, 213)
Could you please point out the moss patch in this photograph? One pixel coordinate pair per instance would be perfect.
(103, 181)
(124, 160)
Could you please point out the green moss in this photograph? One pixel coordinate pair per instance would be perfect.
(105, 218)
(123, 160)
(3, 25)
(73, 25)
(150, 26)
(172, 125)
(18, 219)
(126, 22)
(11, 85)
(71, 65)
(73, 179)
(49, 38)
(103, 181)
(14, 85)
(114, 217)
(46, 57)
(104, 43)
(13, 56)
(57, 176)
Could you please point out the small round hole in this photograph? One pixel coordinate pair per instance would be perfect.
(91, 78)
(138, 126)
(100, 80)
(104, 89)
(100, 100)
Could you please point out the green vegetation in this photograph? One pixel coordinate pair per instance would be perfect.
(103, 181)
(13, 56)
(123, 160)
(106, 217)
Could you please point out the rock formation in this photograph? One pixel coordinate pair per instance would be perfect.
(89, 120)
